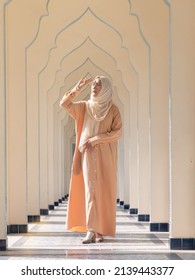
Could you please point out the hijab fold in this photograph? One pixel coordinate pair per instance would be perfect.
(97, 108)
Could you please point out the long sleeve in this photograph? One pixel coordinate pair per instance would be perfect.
(72, 108)
(111, 136)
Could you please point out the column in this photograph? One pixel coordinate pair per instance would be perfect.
(15, 125)
(155, 27)
(143, 154)
(125, 198)
(3, 235)
(159, 111)
(23, 188)
(182, 98)
(134, 178)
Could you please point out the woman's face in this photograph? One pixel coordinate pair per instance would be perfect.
(96, 87)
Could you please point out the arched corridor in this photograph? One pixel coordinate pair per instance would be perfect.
(147, 51)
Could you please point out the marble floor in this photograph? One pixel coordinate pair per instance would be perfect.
(48, 239)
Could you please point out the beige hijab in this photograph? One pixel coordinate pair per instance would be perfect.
(97, 108)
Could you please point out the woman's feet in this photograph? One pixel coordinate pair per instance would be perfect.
(92, 237)
(99, 237)
(89, 238)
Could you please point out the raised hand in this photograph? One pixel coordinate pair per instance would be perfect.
(82, 83)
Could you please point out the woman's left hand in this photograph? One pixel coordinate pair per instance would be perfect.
(87, 145)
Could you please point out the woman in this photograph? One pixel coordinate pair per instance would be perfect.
(92, 197)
